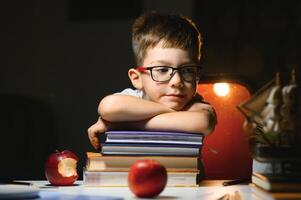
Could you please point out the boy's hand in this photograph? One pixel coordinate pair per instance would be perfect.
(203, 106)
(95, 130)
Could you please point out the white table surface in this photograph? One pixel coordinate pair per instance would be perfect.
(189, 193)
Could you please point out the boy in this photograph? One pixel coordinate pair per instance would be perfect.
(167, 54)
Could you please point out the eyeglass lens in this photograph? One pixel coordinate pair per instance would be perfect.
(162, 73)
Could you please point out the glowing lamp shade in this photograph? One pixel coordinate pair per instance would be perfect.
(221, 89)
(233, 159)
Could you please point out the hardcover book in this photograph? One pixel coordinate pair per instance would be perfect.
(150, 149)
(271, 182)
(98, 162)
(153, 137)
(151, 143)
(120, 179)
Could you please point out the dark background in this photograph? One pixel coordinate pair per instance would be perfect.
(59, 58)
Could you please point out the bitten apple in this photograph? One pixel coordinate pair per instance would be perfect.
(60, 168)
(147, 178)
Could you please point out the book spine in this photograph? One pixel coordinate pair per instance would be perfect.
(101, 179)
(123, 163)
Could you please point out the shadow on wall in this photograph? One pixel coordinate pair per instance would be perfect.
(27, 137)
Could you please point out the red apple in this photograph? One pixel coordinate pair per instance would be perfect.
(147, 178)
(60, 168)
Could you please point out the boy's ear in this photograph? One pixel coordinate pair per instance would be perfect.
(135, 77)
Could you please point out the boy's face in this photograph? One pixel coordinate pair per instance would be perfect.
(176, 92)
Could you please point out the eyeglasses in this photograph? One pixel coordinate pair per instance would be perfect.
(165, 73)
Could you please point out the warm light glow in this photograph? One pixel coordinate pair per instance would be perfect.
(221, 89)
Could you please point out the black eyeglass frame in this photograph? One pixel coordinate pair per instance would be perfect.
(174, 69)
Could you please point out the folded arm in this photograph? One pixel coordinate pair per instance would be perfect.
(187, 121)
(138, 113)
(120, 108)
(127, 112)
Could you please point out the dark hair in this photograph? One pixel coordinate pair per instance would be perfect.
(172, 30)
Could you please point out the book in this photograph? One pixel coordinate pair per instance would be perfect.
(14, 191)
(178, 152)
(98, 162)
(271, 182)
(120, 179)
(153, 137)
(150, 149)
(55, 195)
(151, 143)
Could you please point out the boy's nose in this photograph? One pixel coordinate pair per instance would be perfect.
(176, 80)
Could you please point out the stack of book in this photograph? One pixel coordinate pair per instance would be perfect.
(277, 182)
(179, 152)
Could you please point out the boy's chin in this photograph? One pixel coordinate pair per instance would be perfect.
(174, 106)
